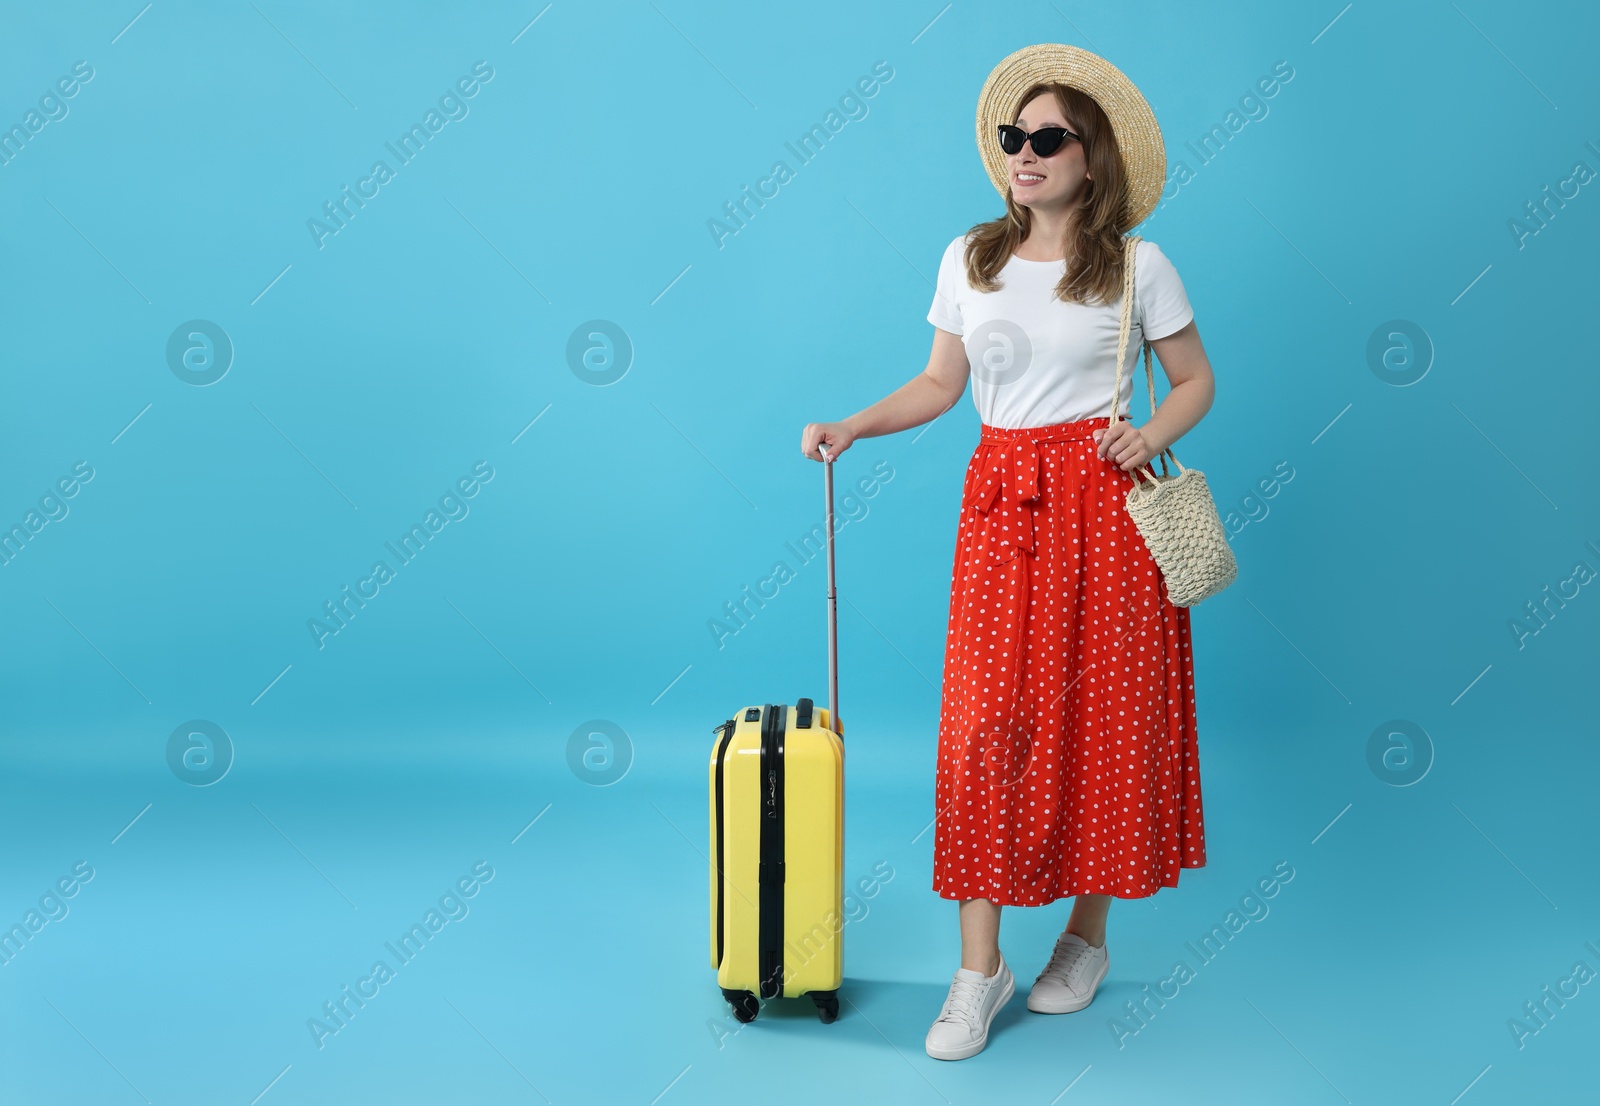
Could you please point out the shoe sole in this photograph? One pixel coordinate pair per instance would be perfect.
(976, 1046)
(1040, 1005)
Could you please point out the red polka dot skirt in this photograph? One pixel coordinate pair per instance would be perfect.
(1068, 758)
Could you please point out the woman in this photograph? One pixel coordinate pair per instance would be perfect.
(1068, 759)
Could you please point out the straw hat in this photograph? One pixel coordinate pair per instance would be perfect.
(1144, 155)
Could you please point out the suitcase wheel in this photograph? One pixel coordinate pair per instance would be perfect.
(827, 1004)
(745, 1005)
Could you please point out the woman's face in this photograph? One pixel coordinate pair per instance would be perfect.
(1063, 172)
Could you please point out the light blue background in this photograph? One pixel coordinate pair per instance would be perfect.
(1378, 586)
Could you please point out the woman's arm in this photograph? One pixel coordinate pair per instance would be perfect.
(921, 399)
(1188, 370)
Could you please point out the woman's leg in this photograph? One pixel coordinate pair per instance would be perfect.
(1089, 918)
(980, 935)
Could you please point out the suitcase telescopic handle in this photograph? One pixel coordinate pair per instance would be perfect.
(833, 604)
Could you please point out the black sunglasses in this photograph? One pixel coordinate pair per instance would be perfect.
(1046, 140)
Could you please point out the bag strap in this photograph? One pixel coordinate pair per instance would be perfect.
(1130, 249)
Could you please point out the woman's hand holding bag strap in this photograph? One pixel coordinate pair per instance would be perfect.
(1175, 515)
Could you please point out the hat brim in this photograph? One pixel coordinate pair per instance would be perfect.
(1144, 154)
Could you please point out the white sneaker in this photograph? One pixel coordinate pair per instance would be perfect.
(962, 1028)
(1069, 981)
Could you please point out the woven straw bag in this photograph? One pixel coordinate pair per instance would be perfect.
(1174, 514)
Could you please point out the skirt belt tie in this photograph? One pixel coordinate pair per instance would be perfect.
(1008, 483)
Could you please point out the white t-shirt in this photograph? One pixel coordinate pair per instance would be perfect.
(1036, 360)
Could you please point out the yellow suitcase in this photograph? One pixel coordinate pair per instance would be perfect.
(777, 843)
